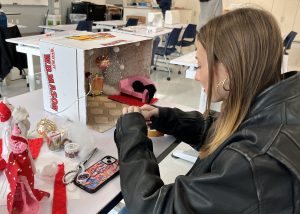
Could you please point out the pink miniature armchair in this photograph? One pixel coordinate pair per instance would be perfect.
(145, 91)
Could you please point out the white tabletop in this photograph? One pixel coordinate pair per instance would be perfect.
(186, 60)
(141, 30)
(33, 41)
(60, 38)
(59, 27)
(113, 23)
(19, 26)
(123, 38)
(12, 13)
(78, 201)
(176, 26)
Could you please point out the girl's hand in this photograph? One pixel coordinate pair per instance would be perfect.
(149, 111)
(131, 109)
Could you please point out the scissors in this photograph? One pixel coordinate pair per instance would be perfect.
(70, 176)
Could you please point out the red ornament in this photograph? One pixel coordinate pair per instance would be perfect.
(2, 164)
(102, 62)
(5, 112)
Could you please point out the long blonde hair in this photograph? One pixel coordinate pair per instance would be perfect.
(248, 42)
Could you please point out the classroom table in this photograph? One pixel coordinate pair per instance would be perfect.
(141, 30)
(30, 46)
(66, 27)
(190, 61)
(112, 24)
(79, 201)
(183, 26)
(58, 27)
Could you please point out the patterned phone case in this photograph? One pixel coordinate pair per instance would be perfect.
(99, 174)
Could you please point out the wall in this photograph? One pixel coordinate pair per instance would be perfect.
(120, 2)
(25, 2)
(287, 13)
(193, 5)
(33, 16)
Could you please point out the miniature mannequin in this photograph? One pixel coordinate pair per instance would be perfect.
(20, 169)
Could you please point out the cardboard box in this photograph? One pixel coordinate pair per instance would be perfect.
(65, 61)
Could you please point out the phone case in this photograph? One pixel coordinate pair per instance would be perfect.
(99, 174)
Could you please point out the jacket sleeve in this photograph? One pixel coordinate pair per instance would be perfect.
(145, 192)
(189, 127)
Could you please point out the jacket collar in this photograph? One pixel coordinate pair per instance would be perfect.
(283, 90)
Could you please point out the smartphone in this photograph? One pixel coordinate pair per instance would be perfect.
(97, 175)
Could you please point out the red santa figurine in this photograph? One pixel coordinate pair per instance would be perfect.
(20, 170)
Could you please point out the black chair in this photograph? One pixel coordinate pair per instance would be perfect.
(85, 25)
(287, 42)
(188, 37)
(9, 52)
(9, 57)
(169, 48)
(156, 42)
(132, 22)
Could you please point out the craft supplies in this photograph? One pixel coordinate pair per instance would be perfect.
(45, 126)
(72, 150)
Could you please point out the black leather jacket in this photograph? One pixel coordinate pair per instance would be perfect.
(256, 170)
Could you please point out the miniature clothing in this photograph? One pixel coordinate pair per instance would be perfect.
(19, 165)
(256, 170)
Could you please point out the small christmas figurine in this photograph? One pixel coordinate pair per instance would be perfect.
(5, 119)
(20, 169)
(97, 80)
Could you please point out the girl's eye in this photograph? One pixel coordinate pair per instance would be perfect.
(197, 67)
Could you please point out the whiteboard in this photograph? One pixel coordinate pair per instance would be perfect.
(26, 2)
